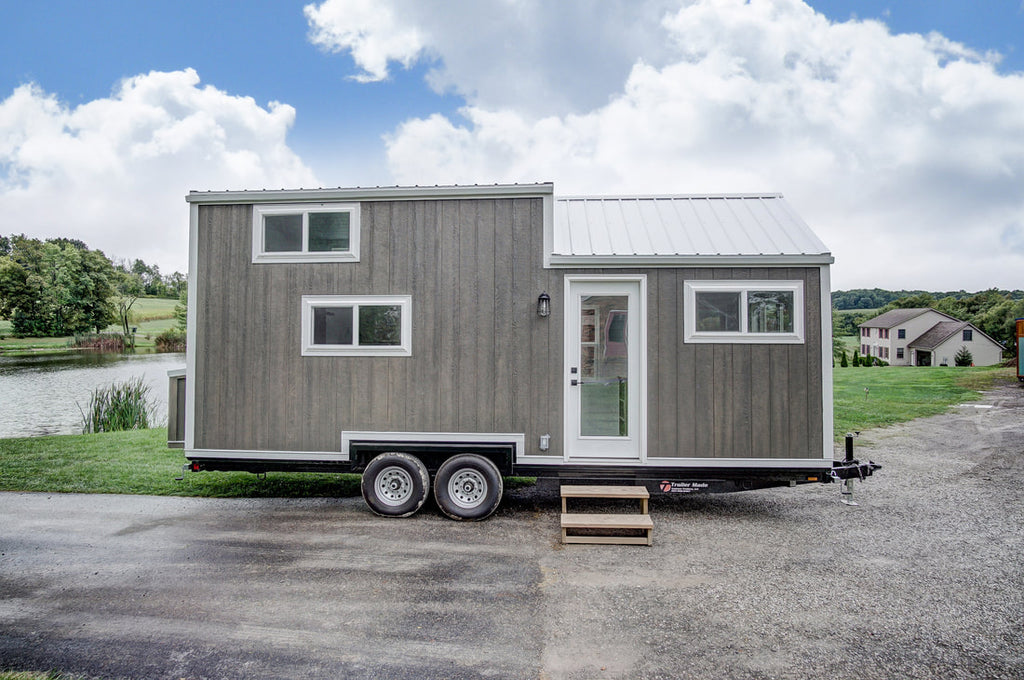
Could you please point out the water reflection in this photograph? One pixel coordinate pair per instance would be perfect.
(40, 394)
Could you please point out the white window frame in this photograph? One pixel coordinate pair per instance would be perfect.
(311, 302)
(260, 255)
(743, 336)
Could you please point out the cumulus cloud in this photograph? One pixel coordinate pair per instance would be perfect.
(114, 172)
(904, 151)
(530, 55)
(375, 34)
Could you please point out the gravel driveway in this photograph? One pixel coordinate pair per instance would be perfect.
(925, 579)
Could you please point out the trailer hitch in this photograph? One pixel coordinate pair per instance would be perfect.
(850, 469)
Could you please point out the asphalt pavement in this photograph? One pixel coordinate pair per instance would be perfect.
(925, 579)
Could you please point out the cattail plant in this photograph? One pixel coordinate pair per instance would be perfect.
(120, 406)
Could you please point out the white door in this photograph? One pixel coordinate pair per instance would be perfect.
(605, 350)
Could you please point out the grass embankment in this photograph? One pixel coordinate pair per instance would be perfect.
(151, 316)
(139, 462)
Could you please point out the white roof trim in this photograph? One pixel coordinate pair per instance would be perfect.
(369, 193)
(577, 261)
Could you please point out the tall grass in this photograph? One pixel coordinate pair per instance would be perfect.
(103, 342)
(121, 406)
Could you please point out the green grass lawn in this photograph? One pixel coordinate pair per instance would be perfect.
(139, 462)
(865, 398)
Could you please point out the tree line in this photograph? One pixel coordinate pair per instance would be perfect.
(59, 286)
(993, 312)
(873, 298)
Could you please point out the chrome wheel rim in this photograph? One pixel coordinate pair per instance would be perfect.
(467, 488)
(393, 486)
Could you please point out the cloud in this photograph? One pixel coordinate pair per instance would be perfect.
(114, 172)
(373, 32)
(905, 152)
(530, 55)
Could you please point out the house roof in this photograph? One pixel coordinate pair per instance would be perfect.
(943, 331)
(895, 317)
(937, 334)
(687, 229)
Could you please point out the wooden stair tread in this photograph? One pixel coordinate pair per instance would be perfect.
(606, 521)
(598, 491)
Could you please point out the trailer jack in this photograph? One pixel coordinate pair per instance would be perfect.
(850, 469)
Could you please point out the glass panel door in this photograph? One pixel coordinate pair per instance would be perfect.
(604, 391)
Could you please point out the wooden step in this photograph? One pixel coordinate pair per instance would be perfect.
(605, 523)
(598, 491)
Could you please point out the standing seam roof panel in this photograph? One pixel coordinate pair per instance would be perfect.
(682, 226)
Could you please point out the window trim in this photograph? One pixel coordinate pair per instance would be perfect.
(311, 302)
(261, 256)
(743, 336)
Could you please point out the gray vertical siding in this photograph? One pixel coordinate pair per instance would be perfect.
(482, 360)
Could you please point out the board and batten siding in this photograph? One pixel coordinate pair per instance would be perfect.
(482, 360)
(732, 400)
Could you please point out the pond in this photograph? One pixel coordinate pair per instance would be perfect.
(40, 395)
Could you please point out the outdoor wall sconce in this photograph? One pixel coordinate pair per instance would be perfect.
(543, 305)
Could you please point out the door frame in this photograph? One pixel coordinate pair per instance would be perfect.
(636, 451)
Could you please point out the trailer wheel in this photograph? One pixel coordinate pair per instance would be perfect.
(395, 484)
(468, 487)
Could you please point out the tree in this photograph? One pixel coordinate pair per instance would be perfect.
(963, 357)
(54, 288)
(129, 289)
(856, 358)
(843, 361)
(181, 309)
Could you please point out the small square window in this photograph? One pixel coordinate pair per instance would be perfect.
(282, 233)
(968, 335)
(901, 334)
(324, 232)
(329, 232)
(356, 325)
(718, 312)
(332, 325)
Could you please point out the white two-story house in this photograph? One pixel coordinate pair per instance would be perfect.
(925, 337)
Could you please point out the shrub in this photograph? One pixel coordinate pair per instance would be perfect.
(856, 358)
(843, 361)
(963, 357)
(121, 406)
(171, 340)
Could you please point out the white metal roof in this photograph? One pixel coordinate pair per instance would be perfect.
(756, 229)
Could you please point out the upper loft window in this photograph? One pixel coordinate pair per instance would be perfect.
(744, 311)
(322, 232)
(968, 335)
(356, 325)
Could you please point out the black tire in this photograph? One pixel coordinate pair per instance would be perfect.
(395, 484)
(468, 487)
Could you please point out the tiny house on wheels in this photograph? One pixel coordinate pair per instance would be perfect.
(439, 338)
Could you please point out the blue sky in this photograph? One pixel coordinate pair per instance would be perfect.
(876, 139)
